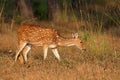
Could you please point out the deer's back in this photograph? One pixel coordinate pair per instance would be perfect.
(38, 34)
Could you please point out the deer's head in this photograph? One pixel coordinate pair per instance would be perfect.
(78, 42)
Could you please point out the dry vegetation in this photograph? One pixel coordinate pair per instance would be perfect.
(100, 62)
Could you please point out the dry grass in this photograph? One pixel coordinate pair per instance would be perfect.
(100, 62)
(7, 42)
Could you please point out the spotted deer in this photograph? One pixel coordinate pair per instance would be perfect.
(45, 37)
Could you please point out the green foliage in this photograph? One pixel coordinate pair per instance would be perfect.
(52, 26)
(40, 9)
(9, 8)
(19, 19)
(86, 37)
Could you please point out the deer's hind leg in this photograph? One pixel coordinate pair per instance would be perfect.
(25, 51)
(21, 47)
(23, 56)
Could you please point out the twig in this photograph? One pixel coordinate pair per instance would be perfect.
(3, 6)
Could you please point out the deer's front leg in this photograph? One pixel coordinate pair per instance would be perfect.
(45, 49)
(55, 51)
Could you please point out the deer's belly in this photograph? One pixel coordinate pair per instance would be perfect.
(42, 43)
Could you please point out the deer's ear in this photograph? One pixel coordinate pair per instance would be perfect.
(75, 35)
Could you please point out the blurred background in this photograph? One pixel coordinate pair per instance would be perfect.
(95, 13)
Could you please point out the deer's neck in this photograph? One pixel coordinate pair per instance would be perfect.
(65, 42)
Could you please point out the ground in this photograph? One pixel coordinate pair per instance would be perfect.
(101, 61)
